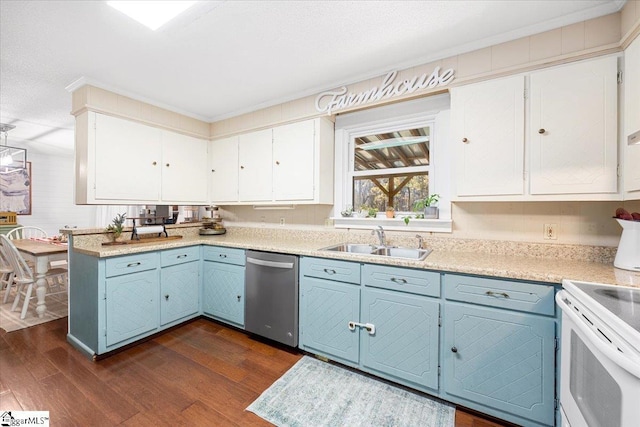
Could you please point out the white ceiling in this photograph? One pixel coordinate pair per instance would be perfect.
(223, 58)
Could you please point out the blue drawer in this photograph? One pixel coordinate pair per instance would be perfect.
(420, 282)
(131, 264)
(226, 255)
(529, 297)
(339, 271)
(179, 255)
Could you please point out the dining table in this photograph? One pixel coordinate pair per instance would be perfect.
(41, 252)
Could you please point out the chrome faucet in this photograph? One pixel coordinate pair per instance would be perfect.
(380, 231)
(420, 240)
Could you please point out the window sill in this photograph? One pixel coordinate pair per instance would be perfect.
(395, 224)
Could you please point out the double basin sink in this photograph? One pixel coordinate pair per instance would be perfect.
(387, 251)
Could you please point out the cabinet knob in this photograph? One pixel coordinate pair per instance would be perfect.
(241, 167)
(166, 297)
(541, 131)
(454, 349)
(465, 140)
(239, 298)
(213, 170)
(167, 164)
(154, 163)
(277, 162)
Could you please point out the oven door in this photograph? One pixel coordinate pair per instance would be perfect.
(600, 373)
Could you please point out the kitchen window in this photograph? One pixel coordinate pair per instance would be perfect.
(393, 156)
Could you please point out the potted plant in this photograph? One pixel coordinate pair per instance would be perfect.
(430, 211)
(390, 212)
(372, 212)
(116, 226)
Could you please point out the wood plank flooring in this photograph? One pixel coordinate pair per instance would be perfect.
(200, 374)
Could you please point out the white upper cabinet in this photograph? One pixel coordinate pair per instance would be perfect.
(562, 145)
(184, 169)
(256, 171)
(573, 132)
(294, 161)
(223, 158)
(124, 162)
(488, 136)
(631, 78)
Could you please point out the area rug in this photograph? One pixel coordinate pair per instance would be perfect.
(57, 307)
(315, 393)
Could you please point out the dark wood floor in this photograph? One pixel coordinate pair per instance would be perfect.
(200, 374)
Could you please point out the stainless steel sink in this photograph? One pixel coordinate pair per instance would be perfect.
(409, 253)
(388, 251)
(355, 248)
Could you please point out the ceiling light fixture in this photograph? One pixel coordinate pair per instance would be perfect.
(393, 142)
(152, 14)
(11, 158)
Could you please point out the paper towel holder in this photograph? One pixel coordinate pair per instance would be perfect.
(157, 228)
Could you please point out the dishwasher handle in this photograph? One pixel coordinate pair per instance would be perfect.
(274, 264)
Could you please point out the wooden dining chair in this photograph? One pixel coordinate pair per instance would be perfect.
(6, 275)
(56, 279)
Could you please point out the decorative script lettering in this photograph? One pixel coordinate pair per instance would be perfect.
(330, 101)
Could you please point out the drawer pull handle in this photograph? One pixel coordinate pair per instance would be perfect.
(166, 297)
(399, 281)
(454, 349)
(182, 256)
(497, 294)
(134, 264)
(371, 328)
(329, 271)
(222, 255)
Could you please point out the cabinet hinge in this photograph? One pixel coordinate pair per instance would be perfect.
(525, 95)
(556, 344)
(555, 404)
(619, 77)
(105, 332)
(439, 370)
(439, 319)
(618, 170)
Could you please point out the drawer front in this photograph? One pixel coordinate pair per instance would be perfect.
(420, 282)
(529, 297)
(339, 271)
(226, 255)
(131, 264)
(179, 255)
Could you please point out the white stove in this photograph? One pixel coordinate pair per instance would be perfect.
(600, 355)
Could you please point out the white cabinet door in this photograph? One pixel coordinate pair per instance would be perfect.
(573, 132)
(294, 161)
(256, 173)
(488, 135)
(631, 79)
(127, 160)
(223, 158)
(184, 169)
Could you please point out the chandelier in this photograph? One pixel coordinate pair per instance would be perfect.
(11, 158)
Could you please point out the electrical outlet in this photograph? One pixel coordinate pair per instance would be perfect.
(282, 221)
(550, 231)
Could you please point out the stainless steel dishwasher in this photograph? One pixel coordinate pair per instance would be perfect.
(271, 296)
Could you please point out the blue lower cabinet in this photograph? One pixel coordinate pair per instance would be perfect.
(131, 305)
(404, 344)
(326, 308)
(500, 359)
(179, 292)
(223, 292)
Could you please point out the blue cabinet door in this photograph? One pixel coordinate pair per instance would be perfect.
(179, 291)
(326, 308)
(500, 359)
(405, 342)
(223, 292)
(131, 306)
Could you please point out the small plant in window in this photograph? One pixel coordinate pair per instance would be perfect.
(372, 212)
(406, 219)
(390, 212)
(426, 204)
(347, 212)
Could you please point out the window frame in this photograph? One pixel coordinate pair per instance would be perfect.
(364, 123)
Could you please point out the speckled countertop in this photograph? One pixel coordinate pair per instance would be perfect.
(542, 263)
